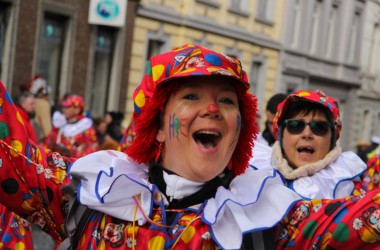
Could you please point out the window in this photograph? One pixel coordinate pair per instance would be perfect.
(3, 26)
(103, 57)
(315, 21)
(367, 124)
(255, 76)
(239, 4)
(377, 132)
(374, 49)
(155, 47)
(296, 23)
(51, 50)
(265, 9)
(331, 30)
(354, 31)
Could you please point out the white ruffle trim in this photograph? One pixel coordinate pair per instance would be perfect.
(256, 199)
(110, 181)
(336, 180)
(73, 129)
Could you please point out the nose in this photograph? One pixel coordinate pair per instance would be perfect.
(307, 133)
(213, 111)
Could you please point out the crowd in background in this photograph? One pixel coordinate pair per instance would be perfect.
(66, 127)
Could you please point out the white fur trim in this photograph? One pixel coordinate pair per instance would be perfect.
(279, 162)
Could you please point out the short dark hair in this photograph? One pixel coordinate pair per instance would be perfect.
(274, 101)
(22, 97)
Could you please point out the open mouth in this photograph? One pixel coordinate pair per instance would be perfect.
(207, 138)
(308, 150)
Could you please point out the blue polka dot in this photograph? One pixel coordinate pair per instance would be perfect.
(137, 109)
(213, 59)
(6, 238)
(198, 74)
(8, 98)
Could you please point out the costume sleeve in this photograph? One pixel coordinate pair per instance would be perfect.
(31, 177)
(370, 178)
(348, 223)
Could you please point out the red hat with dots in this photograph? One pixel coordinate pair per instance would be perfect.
(317, 97)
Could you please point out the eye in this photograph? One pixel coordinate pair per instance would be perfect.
(191, 97)
(226, 100)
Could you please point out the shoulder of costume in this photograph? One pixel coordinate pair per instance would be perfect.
(248, 205)
(334, 181)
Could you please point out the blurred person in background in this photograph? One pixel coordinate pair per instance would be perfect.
(39, 88)
(77, 137)
(114, 127)
(267, 137)
(25, 104)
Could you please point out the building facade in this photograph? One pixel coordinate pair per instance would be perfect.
(247, 30)
(54, 38)
(368, 109)
(321, 50)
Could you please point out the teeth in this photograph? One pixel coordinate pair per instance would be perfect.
(208, 132)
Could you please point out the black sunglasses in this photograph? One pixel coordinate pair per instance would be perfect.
(296, 127)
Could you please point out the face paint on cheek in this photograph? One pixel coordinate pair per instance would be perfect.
(171, 128)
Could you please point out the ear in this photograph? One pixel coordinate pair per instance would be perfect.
(160, 136)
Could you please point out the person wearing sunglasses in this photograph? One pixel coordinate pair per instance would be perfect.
(307, 126)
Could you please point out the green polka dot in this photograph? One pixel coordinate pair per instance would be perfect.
(341, 233)
(4, 130)
(309, 230)
(149, 68)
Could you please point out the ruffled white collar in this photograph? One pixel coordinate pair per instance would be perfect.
(246, 206)
(329, 178)
(73, 129)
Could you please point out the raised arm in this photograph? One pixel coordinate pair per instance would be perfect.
(31, 177)
(348, 223)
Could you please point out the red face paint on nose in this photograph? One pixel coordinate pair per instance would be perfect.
(212, 108)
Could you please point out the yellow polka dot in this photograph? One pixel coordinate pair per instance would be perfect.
(212, 69)
(304, 94)
(157, 71)
(140, 99)
(156, 242)
(188, 234)
(19, 118)
(19, 246)
(1, 244)
(17, 146)
(1, 101)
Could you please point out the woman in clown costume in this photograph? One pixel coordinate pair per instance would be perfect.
(307, 126)
(184, 183)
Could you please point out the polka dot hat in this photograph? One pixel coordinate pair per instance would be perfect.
(189, 60)
(318, 97)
